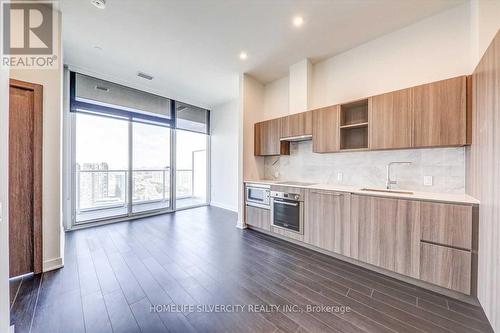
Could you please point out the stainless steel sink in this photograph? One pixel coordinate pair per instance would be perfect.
(386, 191)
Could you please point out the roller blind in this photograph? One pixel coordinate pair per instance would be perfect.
(192, 118)
(94, 95)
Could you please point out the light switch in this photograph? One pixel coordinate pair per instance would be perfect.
(427, 180)
(340, 176)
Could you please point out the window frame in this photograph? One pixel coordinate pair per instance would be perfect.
(69, 130)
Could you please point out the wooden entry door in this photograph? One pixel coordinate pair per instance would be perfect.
(25, 178)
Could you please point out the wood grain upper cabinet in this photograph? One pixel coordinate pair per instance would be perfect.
(327, 223)
(440, 113)
(267, 139)
(390, 120)
(325, 129)
(386, 233)
(297, 124)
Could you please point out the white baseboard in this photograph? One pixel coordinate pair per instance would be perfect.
(51, 264)
(224, 206)
(241, 225)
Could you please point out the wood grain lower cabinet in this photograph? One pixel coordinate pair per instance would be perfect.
(446, 267)
(440, 113)
(431, 241)
(325, 129)
(296, 124)
(446, 224)
(386, 233)
(267, 139)
(258, 217)
(390, 120)
(328, 221)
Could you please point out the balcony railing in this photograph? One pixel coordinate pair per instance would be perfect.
(103, 189)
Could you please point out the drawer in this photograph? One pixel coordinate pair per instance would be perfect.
(446, 224)
(446, 267)
(258, 217)
(288, 234)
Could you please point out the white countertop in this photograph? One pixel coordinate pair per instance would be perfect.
(459, 198)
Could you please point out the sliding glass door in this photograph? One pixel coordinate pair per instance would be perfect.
(125, 147)
(101, 168)
(150, 168)
(192, 169)
(122, 168)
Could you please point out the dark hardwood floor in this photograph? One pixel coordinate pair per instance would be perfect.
(114, 274)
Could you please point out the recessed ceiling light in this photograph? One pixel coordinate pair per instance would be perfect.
(298, 21)
(101, 4)
(98, 48)
(243, 55)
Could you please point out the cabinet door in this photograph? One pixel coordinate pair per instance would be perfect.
(386, 233)
(258, 217)
(439, 113)
(446, 224)
(325, 129)
(390, 120)
(267, 139)
(328, 220)
(297, 124)
(446, 267)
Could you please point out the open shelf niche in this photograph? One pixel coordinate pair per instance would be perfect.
(354, 125)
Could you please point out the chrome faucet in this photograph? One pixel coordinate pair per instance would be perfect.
(390, 182)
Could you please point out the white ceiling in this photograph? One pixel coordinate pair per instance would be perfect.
(191, 47)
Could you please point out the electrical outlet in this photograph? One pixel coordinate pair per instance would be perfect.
(427, 180)
(340, 176)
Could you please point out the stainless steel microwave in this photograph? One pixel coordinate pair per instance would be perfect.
(257, 195)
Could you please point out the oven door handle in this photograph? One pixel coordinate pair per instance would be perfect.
(286, 203)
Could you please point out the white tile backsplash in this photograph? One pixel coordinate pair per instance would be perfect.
(368, 168)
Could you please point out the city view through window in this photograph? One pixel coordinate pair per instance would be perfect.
(101, 168)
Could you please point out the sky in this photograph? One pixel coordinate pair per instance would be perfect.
(101, 139)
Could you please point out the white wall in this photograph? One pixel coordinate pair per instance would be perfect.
(4, 214)
(300, 80)
(253, 106)
(224, 120)
(433, 49)
(276, 99)
(485, 21)
(51, 80)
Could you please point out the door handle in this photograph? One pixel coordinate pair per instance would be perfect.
(286, 203)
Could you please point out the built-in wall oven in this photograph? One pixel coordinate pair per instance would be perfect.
(287, 211)
(257, 195)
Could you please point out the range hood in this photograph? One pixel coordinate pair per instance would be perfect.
(297, 138)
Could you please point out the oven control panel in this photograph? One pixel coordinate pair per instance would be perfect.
(284, 195)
